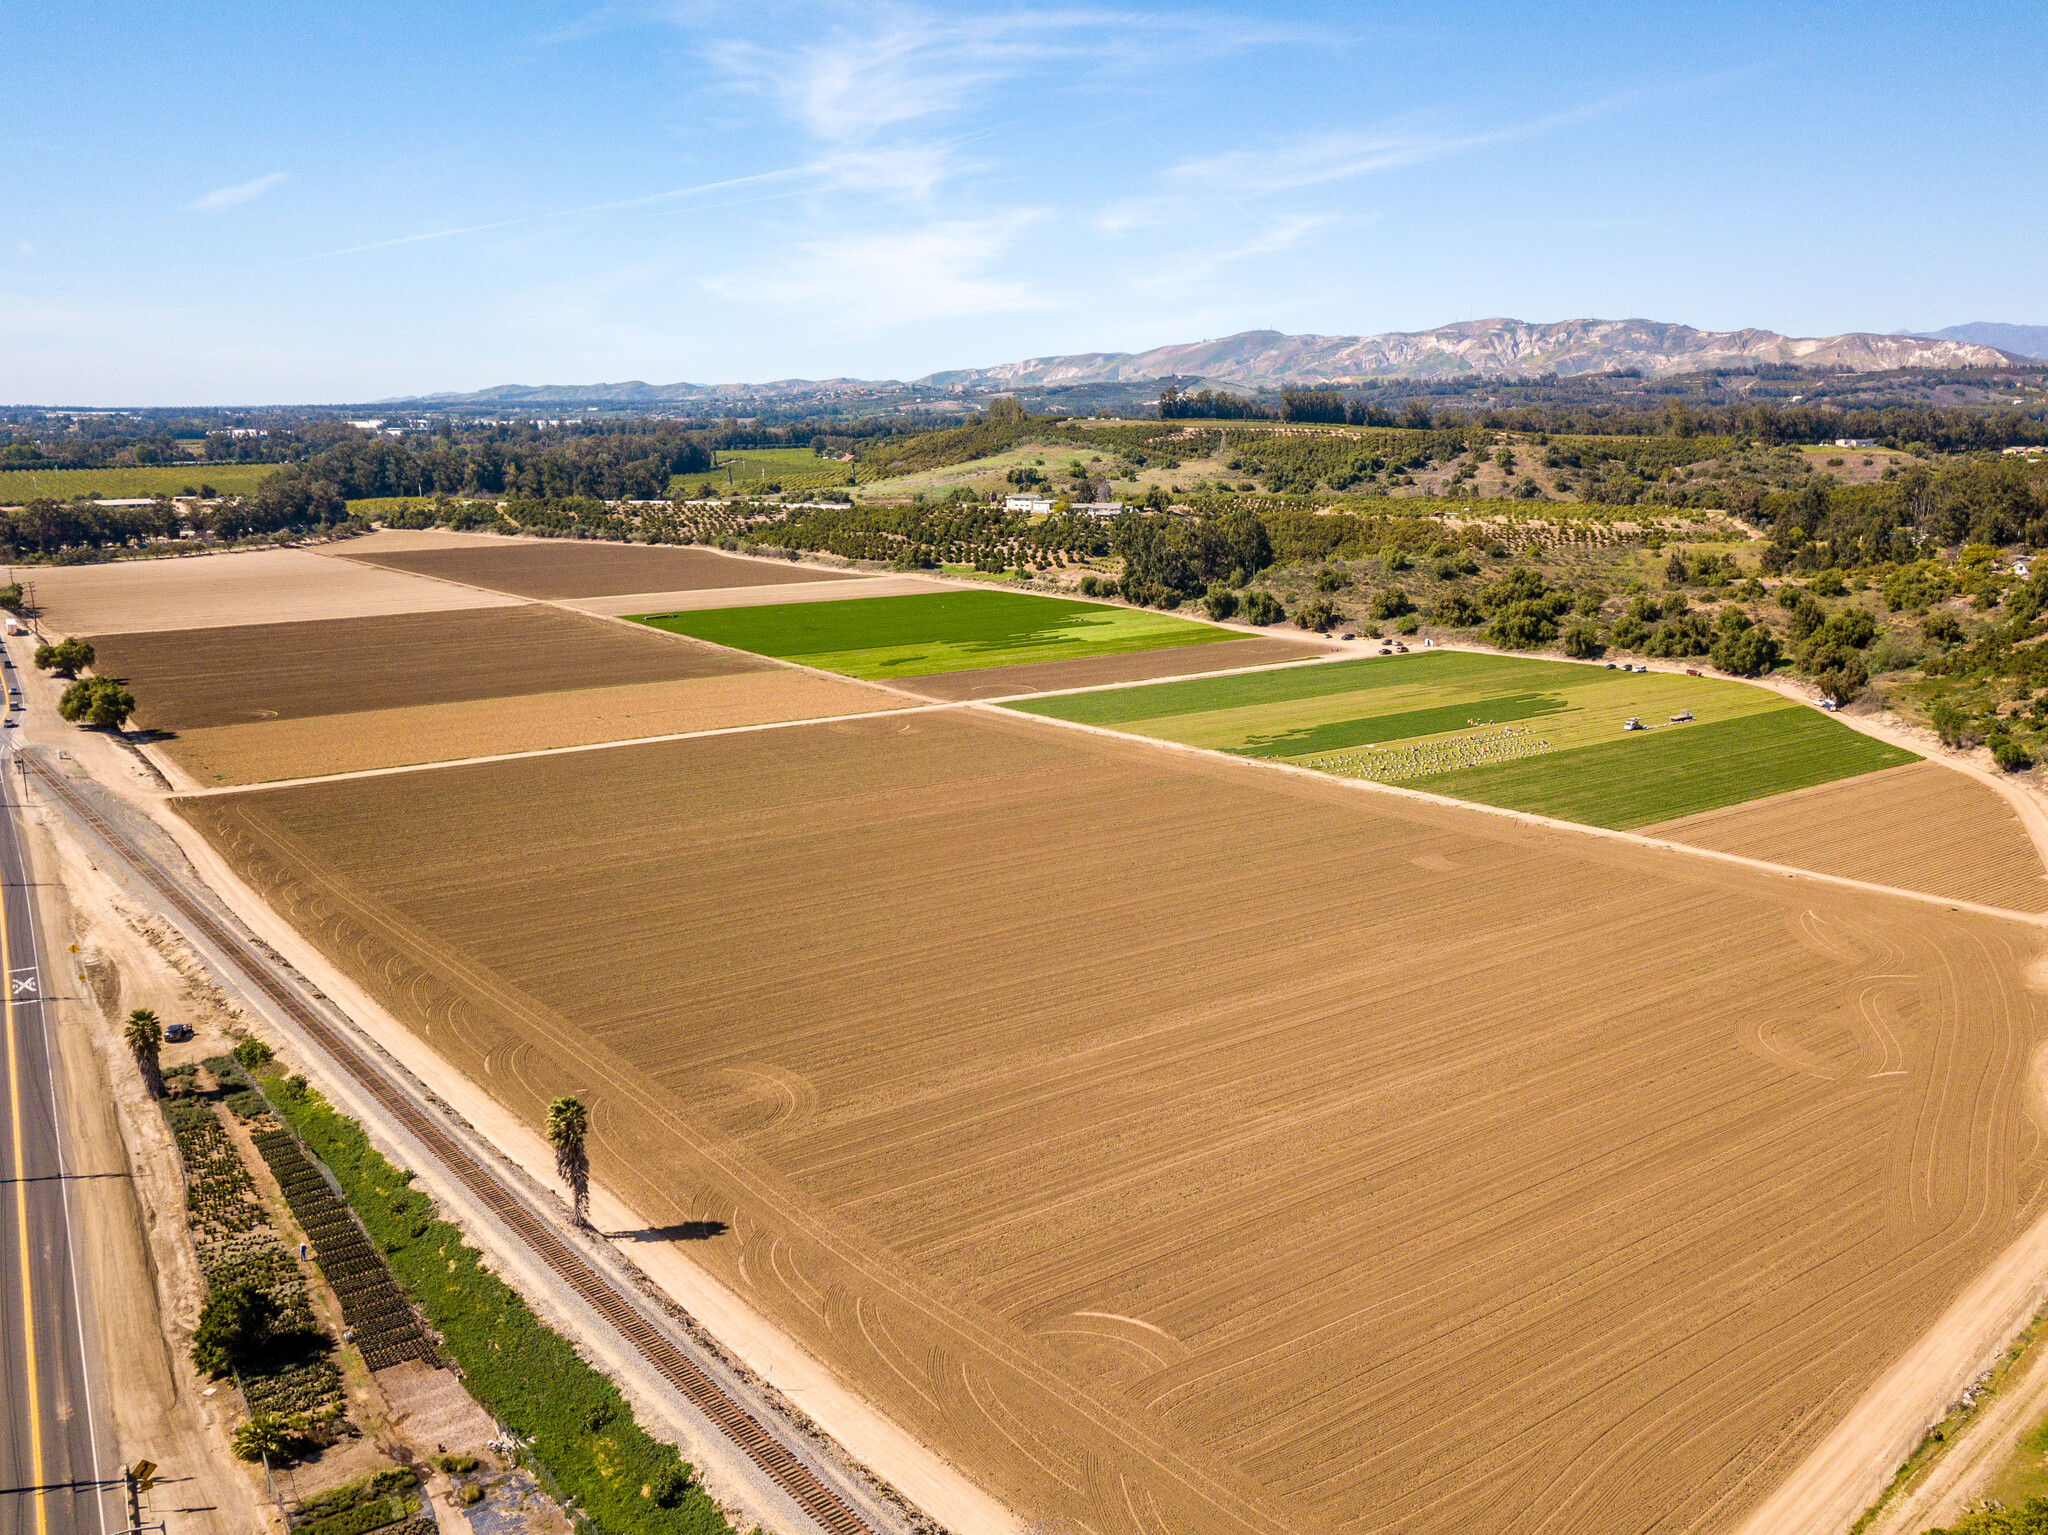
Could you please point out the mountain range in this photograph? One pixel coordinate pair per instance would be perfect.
(1269, 359)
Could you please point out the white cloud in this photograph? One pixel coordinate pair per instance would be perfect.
(868, 281)
(1189, 270)
(235, 196)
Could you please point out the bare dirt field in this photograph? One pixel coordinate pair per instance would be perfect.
(489, 727)
(251, 587)
(557, 568)
(1094, 671)
(192, 679)
(1923, 827)
(828, 590)
(1182, 1146)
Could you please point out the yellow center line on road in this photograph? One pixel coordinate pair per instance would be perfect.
(28, 1310)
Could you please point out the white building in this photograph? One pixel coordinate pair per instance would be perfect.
(1855, 442)
(1099, 508)
(1027, 504)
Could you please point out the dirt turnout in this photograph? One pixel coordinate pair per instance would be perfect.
(1924, 827)
(1093, 671)
(488, 727)
(556, 568)
(260, 586)
(191, 679)
(1114, 1118)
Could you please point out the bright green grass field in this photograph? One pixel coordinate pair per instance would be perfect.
(876, 638)
(19, 486)
(1424, 721)
(792, 468)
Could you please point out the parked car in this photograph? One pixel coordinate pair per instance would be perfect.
(177, 1033)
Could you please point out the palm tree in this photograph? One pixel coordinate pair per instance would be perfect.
(145, 1036)
(568, 1127)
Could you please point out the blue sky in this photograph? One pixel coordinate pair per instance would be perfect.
(244, 203)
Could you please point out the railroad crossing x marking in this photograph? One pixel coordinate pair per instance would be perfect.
(24, 982)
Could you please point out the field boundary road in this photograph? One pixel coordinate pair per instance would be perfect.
(795, 1480)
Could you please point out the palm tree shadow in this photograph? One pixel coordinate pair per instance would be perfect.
(682, 1231)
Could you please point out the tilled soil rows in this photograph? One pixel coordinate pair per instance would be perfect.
(192, 679)
(1182, 1146)
(555, 568)
(1924, 827)
(489, 727)
(259, 586)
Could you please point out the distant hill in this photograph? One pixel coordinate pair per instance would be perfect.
(1267, 359)
(2024, 340)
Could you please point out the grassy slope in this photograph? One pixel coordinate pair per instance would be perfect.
(18, 486)
(881, 637)
(792, 468)
(1744, 744)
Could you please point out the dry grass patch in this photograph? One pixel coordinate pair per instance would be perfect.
(193, 679)
(1924, 827)
(253, 587)
(489, 727)
(558, 568)
(1179, 1145)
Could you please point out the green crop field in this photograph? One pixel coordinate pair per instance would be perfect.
(917, 636)
(18, 486)
(791, 468)
(1541, 736)
(1638, 781)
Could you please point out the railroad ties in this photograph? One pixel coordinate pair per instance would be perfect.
(571, 1267)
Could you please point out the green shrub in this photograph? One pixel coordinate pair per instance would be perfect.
(1950, 723)
(1332, 578)
(252, 1053)
(1941, 628)
(518, 1369)
(2030, 1518)
(67, 658)
(1582, 639)
(265, 1434)
(2011, 755)
(97, 701)
(1456, 610)
(1260, 607)
(1319, 614)
(1391, 602)
(1220, 601)
(234, 1325)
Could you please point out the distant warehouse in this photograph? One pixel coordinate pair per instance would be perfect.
(1855, 442)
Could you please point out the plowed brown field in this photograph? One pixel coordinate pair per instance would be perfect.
(1096, 671)
(573, 568)
(251, 587)
(489, 727)
(1186, 1147)
(1924, 827)
(191, 679)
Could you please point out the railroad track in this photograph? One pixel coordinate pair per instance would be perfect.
(602, 1296)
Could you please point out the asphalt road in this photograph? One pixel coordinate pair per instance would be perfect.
(55, 1451)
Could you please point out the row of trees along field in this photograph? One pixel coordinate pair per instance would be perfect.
(1945, 429)
(610, 466)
